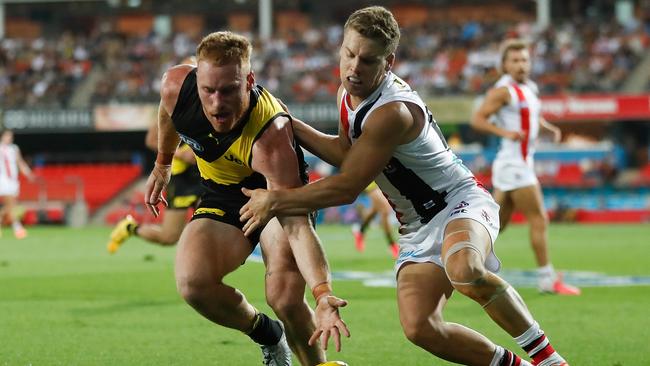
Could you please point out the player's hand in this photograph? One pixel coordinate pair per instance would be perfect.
(257, 211)
(515, 135)
(329, 322)
(156, 183)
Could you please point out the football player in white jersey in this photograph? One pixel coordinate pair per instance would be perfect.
(11, 164)
(517, 110)
(448, 221)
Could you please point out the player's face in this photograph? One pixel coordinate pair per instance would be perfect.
(363, 64)
(224, 91)
(517, 64)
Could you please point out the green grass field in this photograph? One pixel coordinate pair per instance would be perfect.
(65, 301)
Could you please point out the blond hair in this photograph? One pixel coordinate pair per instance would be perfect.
(513, 44)
(223, 48)
(376, 23)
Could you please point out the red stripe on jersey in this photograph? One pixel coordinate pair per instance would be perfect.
(5, 156)
(524, 113)
(344, 115)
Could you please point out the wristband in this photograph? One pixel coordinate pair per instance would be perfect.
(164, 158)
(320, 290)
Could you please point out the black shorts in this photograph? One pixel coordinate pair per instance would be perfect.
(223, 202)
(184, 190)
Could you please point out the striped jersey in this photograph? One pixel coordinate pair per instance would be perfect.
(421, 174)
(521, 114)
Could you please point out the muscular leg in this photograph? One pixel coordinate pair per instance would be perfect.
(504, 200)
(207, 251)
(285, 289)
(530, 202)
(467, 243)
(168, 232)
(422, 292)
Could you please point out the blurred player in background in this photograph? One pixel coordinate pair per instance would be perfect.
(448, 221)
(515, 103)
(11, 164)
(378, 206)
(242, 138)
(183, 193)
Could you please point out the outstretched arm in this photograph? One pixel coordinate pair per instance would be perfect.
(275, 158)
(387, 127)
(168, 138)
(23, 167)
(494, 100)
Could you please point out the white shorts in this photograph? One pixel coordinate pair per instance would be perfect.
(9, 187)
(511, 175)
(425, 244)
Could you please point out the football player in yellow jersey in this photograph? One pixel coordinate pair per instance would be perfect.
(242, 138)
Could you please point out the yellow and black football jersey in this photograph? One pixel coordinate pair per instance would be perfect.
(224, 159)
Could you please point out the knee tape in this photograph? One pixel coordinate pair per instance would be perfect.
(457, 247)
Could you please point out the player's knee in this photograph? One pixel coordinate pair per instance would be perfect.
(192, 291)
(539, 221)
(424, 332)
(169, 238)
(285, 299)
(466, 276)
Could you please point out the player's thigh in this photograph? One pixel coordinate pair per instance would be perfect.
(506, 205)
(210, 249)
(422, 292)
(529, 200)
(173, 222)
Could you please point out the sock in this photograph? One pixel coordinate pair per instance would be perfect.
(504, 357)
(538, 347)
(16, 225)
(266, 331)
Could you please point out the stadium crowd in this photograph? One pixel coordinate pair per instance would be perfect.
(435, 58)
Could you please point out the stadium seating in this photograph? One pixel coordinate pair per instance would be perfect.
(96, 184)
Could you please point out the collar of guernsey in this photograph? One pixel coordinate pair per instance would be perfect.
(225, 158)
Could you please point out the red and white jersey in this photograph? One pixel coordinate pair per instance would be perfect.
(9, 162)
(423, 174)
(521, 114)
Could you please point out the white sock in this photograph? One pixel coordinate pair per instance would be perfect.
(16, 225)
(546, 276)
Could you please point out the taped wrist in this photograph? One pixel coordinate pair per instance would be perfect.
(320, 290)
(164, 158)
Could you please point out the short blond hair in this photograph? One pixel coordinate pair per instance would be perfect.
(223, 48)
(376, 23)
(513, 44)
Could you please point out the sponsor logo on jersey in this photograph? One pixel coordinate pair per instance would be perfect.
(191, 142)
(234, 159)
(453, 213)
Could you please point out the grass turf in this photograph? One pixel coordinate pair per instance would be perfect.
(65, 301)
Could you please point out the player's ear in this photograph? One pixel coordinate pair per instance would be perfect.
(250, 80)
(390, 61)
